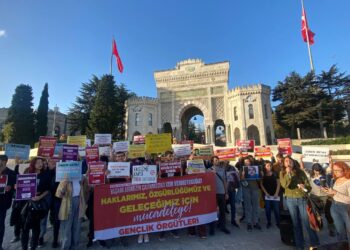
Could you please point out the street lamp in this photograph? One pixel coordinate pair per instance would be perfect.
(55, 110)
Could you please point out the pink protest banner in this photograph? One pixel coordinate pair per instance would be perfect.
(139, 139)
(245, 145)
(92, 154)
(285, 146)
(96, 173)
(170, 167)
(46, 146)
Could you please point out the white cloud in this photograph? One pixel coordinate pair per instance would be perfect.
(2, 33)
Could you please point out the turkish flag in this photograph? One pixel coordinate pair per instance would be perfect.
(305, 28)
(116, 54)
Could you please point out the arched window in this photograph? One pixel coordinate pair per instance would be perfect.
(150, 122)
(251, 111)
(137, 119)
(266, 114)
(235, 116)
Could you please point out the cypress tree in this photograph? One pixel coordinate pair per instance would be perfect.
(21, 115)
(41, 113)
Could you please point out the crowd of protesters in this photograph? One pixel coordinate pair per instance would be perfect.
(282, 184)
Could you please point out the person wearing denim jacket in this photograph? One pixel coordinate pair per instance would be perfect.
(296, 185)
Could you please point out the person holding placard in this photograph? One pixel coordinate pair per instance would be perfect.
(8, 180)
(221, 195)
(169, 157)
(270, 185)
(73, 205)
(249, 179)
(232, 186)
(36, 208)
(317, 178)
(296, 184)
(340, 192)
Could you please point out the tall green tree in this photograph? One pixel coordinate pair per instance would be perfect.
(21, 115)
(41, 113)
(79, 114)
(334, 83)
(104, 114)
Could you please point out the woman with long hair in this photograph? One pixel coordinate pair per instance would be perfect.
(34, 217)
(296, 185)
(340, 193)
(317, 181)
(270, 185)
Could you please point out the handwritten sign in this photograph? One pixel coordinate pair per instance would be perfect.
(144, 174)
(46, 146)
(158, 143)
(316, 154)
(118, 169)
(96, 173)
(79, 140)
(26, 186)
(195, 166)
(70, 170)
(121, 146)
(19, 151)
(106, 151)
(103, 139)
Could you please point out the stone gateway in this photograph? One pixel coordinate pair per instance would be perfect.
(195, 88)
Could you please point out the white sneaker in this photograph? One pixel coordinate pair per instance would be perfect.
(146, 238)
(140, 239)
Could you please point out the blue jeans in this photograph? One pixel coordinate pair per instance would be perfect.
(70, 228)
(340, 214)
(297, 210)
(275, 207)
(232, 200)
(43, 226)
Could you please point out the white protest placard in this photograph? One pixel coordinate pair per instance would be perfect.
(104, 151)
(103, 139)
(316, 154)
(118, 169)
(88, 142)
(182, 149)
(121, 146)
(143, 174)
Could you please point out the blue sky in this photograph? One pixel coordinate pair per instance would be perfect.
(65, 42)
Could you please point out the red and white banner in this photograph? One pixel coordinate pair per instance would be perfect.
(285, 146)
(245, 145)
(139, 139)
(46, 146)
(92, 154)
(171, 203)
(96, 173)
(228, 154)
(262, 152)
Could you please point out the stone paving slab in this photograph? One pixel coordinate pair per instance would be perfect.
(267, 239)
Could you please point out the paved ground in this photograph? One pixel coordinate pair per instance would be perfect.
(238, 239)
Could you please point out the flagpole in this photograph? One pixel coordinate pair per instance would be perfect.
(111, 59)
(307, 38)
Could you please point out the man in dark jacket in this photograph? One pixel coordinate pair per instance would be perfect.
(8, 181)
